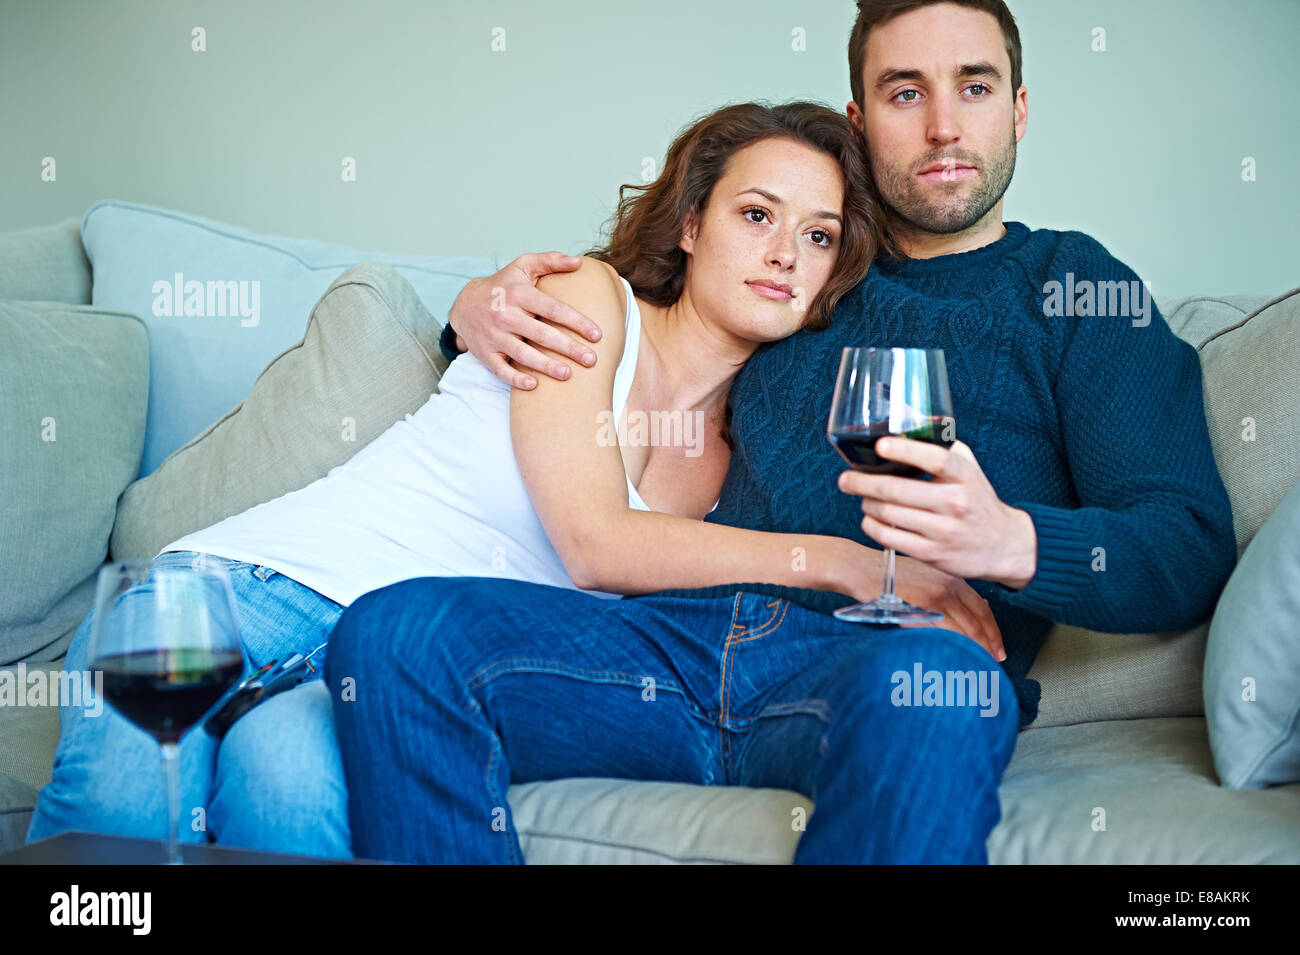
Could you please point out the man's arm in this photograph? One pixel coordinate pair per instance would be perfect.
(499, 319)
(1152, 543)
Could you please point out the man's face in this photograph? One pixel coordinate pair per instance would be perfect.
(940, 118)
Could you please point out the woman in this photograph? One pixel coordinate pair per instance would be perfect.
(762, 218)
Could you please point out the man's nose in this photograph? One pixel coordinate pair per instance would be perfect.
(941, 125)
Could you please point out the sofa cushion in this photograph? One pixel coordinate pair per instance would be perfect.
(1252, 663)
(28, 737)
(1195, 318)
(1252, 404)
(243, 299)
(369, 356)
(73, 385)
(45, 263)
(1088, 676)
(1154, 781)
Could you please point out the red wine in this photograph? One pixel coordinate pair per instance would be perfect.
(165, 692)
(857, 445)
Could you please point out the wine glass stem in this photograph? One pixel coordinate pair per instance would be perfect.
(888, 592)
(172, 772)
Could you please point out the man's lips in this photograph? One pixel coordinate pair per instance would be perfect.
(774, 290)
(947, 172)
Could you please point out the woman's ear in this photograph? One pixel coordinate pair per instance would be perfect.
(690, 231)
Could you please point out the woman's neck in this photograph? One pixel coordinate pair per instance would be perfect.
(695, 362)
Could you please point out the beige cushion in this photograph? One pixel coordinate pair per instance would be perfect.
(369, 356)
(1252, 370)
(1196, 318)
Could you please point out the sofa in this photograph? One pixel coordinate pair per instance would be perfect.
(1117, 768)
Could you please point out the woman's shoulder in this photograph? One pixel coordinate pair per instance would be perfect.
(597, 291)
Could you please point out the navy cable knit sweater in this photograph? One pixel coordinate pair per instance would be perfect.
(1091, 422)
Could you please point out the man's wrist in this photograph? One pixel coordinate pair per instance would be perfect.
(1022, 552)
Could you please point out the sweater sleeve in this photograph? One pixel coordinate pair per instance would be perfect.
(447, 343)
(1152, 544)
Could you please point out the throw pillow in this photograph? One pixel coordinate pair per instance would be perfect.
(369, 356)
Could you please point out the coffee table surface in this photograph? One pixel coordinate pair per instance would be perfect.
(93, 848)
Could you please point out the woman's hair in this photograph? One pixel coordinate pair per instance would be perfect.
(646, 228)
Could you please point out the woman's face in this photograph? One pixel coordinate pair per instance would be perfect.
(767, 241)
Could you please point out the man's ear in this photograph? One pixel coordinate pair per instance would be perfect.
(854, 112)
(690, 232)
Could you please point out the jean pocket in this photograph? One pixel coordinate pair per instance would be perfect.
(263, 572)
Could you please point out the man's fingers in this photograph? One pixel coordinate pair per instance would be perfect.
(539, 303)
(526, 356)
(537, 264)
(512, 376)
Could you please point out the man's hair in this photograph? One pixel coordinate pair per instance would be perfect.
(872, 13)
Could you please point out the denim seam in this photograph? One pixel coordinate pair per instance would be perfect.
(555, 668)
(513, 848)
(779, 607)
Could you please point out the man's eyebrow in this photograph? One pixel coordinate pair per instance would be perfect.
(776, 200)
(895, 74)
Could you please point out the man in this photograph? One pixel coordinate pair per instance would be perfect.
(1082, 490)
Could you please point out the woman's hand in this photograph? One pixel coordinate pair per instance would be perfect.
(497, 319)
(918, 583)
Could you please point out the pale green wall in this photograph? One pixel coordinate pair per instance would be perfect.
(463, 150)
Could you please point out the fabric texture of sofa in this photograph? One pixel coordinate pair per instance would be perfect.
(1117, 768)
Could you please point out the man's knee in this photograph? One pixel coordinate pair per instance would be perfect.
(929, 669)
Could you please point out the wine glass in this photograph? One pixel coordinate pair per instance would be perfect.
(166, 641)
(880, 391)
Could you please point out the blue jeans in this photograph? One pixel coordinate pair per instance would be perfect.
(447, 691)
(273, 783)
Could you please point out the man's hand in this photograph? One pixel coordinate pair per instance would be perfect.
(497, 317)
(955, 523)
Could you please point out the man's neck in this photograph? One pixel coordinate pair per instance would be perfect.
(918, 244)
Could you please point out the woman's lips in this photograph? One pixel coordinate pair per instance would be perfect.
(767, 291)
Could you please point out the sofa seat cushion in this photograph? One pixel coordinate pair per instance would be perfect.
(1154, 779)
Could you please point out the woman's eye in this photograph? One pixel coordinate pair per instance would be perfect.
(750, 213)
(820, 237)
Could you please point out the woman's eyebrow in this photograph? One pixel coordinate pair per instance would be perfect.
(776, 200)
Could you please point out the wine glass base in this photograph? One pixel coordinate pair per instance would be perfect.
(888, 612)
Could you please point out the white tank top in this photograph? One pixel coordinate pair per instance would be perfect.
(436, 495)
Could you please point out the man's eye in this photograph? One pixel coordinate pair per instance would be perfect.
(908, 93)
(977, 86)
